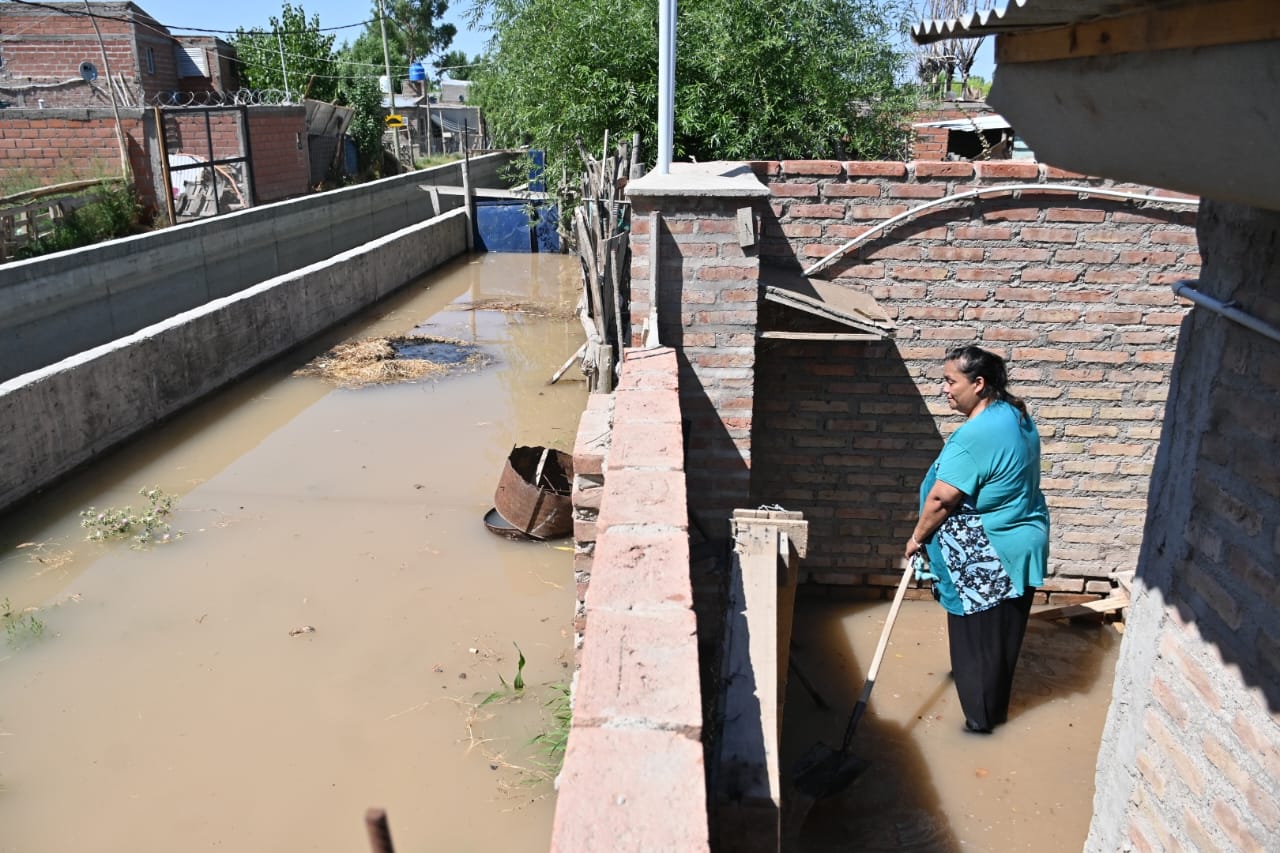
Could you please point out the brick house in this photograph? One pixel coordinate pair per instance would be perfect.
(43, 50)
(58, 121)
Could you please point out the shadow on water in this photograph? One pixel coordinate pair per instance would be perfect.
(929, 786)
(892, 804)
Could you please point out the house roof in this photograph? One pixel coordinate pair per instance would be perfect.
(1021, 15)
(1159, 92)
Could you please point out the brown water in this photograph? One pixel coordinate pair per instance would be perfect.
(930, 786)
(167, 707)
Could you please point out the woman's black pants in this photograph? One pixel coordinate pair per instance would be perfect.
(984, 652)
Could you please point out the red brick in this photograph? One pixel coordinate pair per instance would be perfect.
(1049, 235)
(984, 232)
(797, 190)
(1184, 238)
(950, 169)
(953, 253)
(829, 168)
(851, 190)
(927, 191)
(871, 168)
(644, 498)
(1007, 169)
(1074, 214)
(1061, 275)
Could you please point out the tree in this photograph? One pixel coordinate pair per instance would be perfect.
(412, 35)
(755, 79)
(456, 66)
(308, 57)
(940, 63)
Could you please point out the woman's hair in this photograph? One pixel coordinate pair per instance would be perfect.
(975, 362)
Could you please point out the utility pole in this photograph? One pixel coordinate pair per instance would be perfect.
(283, 70)
(391, 88)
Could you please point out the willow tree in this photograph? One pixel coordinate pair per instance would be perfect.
(755, 79)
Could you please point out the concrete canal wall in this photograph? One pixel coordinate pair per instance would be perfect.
(55, 306)
(60, 416)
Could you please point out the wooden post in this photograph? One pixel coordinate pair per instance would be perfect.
(468, 200)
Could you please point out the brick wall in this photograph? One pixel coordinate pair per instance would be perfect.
(1191, 749)
(42, 51)
(53, 146)
(1073, 290)
(710, 319)
(633, 777)
(281, 164)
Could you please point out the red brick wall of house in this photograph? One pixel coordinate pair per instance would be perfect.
(1073, 289)
(37, 147)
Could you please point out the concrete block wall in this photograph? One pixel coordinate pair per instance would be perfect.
(55, 306)
(1191, 750)
(1074, 289)
(634, 773)
(59, 417)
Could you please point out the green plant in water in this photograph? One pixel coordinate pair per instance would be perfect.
(553, 741)
(19, 625)
(150, 526)
(516, 685)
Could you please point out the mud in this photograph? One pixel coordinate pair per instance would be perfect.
(931, 786)
(319, 640)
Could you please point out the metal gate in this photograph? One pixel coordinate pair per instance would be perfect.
(204, 159)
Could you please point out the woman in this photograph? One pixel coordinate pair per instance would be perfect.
(984, 527)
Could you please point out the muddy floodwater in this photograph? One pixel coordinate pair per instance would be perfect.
(931, 786)
(320, 639)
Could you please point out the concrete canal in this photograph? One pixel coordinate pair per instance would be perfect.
(173, 699)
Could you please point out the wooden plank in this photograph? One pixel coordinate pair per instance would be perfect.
(1090, 608)
(821, 336)
(1200, 25)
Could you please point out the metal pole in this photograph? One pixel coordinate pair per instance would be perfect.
(284, 71)
(391, 89)
(666, 81)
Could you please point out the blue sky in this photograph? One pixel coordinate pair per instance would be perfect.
(184, 16)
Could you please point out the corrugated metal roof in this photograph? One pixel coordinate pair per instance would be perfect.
(1021, 15)
(984, 122)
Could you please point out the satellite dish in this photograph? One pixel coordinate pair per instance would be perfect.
(88, 72)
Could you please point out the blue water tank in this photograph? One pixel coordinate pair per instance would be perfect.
(417, 71)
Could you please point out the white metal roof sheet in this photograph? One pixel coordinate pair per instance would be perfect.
(1019, 15)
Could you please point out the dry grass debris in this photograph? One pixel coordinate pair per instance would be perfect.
(376, 361)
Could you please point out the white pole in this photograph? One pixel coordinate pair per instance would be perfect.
(284, 71)
(391, 86)
(666, 81)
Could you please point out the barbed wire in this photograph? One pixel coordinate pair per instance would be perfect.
(238, 98)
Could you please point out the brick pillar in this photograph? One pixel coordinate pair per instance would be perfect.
(707, 292)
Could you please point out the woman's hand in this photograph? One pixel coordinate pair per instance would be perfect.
(913, 548)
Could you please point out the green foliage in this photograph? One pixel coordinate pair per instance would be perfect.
(456, 66)
(362, 95)
(18, 625)
(114, 212)
(146, 527)
(553, 741)
(308, 56)
(516, 685)
(412, 33)
(755, 79)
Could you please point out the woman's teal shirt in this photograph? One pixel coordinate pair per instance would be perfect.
(994, 458)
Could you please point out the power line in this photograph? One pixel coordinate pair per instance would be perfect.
(76, 13)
